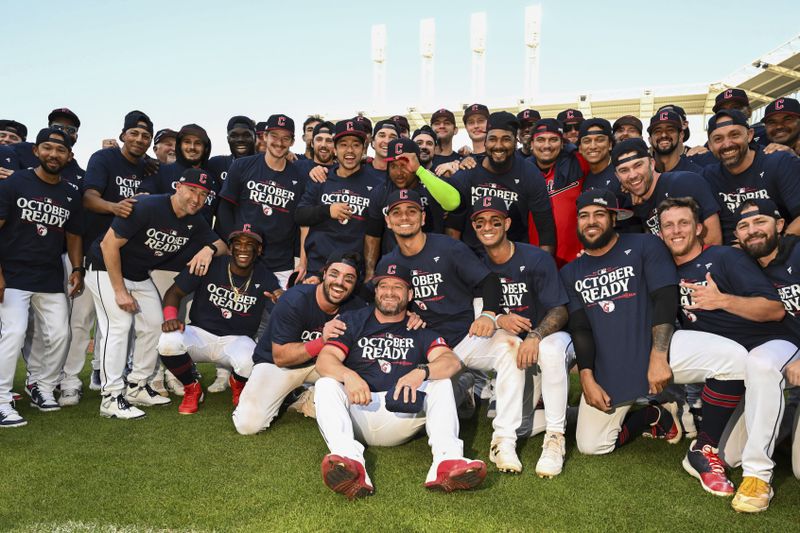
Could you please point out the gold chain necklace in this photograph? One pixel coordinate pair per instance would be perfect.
(238, 292)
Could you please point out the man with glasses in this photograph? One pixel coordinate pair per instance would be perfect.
(570, 120)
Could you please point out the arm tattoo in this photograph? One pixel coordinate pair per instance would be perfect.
(662, 335)
(554, 320)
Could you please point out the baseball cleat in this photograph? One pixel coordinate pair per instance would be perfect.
(94, 381)
(118, 407)
(192, 397)
(144, 395)
(9, 417)
(458, 474)
(304, 404)
(69, 397)
(753, 496)
(221, 381)
(705, 465)
(345, 476)
(503, 454)
(551, 462)
(236, 389)
(44, 401)
(159, 386)
(672, 434)
(173, 384)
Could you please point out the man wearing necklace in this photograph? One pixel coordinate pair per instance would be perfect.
(229, 300)
(534, 305)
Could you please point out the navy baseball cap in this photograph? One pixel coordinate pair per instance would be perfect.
(400, 147)
(164, 134)
(64, 112)
(730, 95)
(489, 203)
(348, 258)
(241, 121)
(402, 122)
(393, 270)
(385, 124)
(783, 105)
(196, 177)
(603, 198)
(680, 111)
(137, 119)
(280, 122)
(403, 196)
(52, 135)
(636, 145)
(526, 117)
(12, 126)
(323, 127)
(628, 120)
(261, 127)
(727, 117)
(547, 125)
(475, 109)
(570, 116)
(502, 120)
(247, 231)
(446, 114)
(364, 123)
(603, 124)
(344, 128)
(426, 130)
(764, 206)
(665, 116)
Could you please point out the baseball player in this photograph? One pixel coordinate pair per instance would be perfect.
(623, 301)
(534, 308)
(426, 139)
(737, 99)
(40, 214)
(380, 383)
(309, 125)
(475, 118)
(627, 127)
(527, 118)
(164, 146)
(570, 120)
(782, 123)
(322, 155)
(229, 300)
(12, 132)
(158, 230)
(242, 143)
(743, 173)
(666, 138)
(302, 321)
(446, 275)
(382, 134)
(443, 123)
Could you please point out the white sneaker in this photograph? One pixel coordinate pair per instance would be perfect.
(9, 417)
(173, 384)
(221, 382)
(551, 462)
(158, 385)
(304, 404)
(118, 407)
(503, 453)
(69, 397)
(144, 395)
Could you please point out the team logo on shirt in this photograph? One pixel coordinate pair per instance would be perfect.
(271, 195)
(734, 199)
(164, 241)
(127, 186)
(229, 302)
(386, 366)
(605, 285)
(497, 190)
(42, 212)
(41, 230)
(607, 306)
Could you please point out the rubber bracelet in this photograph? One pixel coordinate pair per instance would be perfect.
(535, 334)
(493, 318)
(314, 347)
(213, 248)
(170, 313)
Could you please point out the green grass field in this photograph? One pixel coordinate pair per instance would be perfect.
(75, 471)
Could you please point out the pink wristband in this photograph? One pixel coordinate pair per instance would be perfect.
(170, 313)
(314, 347)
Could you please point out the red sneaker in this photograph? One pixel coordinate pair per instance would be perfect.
(236, 389)
(705, 465)
(345, 476)
(192, 396)
(458, 474)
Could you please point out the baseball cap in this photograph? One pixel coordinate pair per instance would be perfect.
(426, 130)
(783, 105)
(55, 136)
(403, 196)
(400, 147)
(261, 127)
(164, 134)
(280, 122)
(489, 203)
(569, 116)
(475, 109)
(393, 270)
(528, 116)
(764, 206)
(443, 113)
(344, 128)
(135, 119)
(13, 126)
(348, 258)
(64, 112)
(665, 117)
(502, 120)
(603, 124)
(680, 111)
(195, 177)
(727, 117)
(628, 120)
(730, 95)
(637, 146)
(242, 121)
(603, 198)
(385, 124)
(323, 127)
(364, 123)
(402, 122)
(547, 125)
(248, 231)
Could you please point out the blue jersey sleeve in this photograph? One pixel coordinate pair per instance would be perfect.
(286, 320)
(97, 172)
(747, 278)
(187, 282)
(127, 227)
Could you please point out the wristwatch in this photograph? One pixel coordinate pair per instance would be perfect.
(426, 369)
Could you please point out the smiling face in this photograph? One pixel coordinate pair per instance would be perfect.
(546, 147)
(680, 231)
(380, 143)
(476, 127)
(278, 142)
(136, 141)
(782, 128)
(500, 146)
(595, 147)
(349, 152)
(730, 144)
(405, 220)
(245, 251)
(241, 141)
(595, 227)
(52, 156)
(323, 147)
(491, 227)
(636, 176)
(426, 148)
(192, 148)
(392, 296)
(190, 198)
(445, 130)
(758, 234)
(665, 138)
(338, 282)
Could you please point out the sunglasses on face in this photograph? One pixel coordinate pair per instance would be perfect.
(571, 127)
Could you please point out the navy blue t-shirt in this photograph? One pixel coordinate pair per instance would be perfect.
(37, 216)
(155, 235)
(734, 273)
(676, 185)
(383, 353)
(439, 159)
(445, 274)
(297, 317)
(377, 175)
(218, 167)
(775, 176)
(215, 306)
(523, 189)
(703, 160)
(687, 165)
(267, 199)
(330, 235)
(115, 178)
(304, 167)
(9, 158)
(614, 289)
(531, 284)
(784, 273)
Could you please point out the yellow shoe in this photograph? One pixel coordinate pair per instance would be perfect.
(753, 496)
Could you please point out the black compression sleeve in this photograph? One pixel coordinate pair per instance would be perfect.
(582, 339)
(545, 227)
(312, 215)
(492, 293)
(375, 227)
(666, 302)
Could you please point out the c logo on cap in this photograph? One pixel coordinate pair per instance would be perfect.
(281, 121)
(203, 178)
(728, 94)
(475, 107)
(403, 194)
(349, 125)
(398, 149)
(778, 104)
(487, 201)
(526, 114)
(391, 269)
(246, 228)
(663, 116)
(570, 114)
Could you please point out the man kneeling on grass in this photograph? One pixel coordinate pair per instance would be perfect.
(381, 382)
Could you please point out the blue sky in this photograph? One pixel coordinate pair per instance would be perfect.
(205, 61)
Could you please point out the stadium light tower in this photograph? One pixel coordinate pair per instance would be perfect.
(478, 45)
(533, 28)
(427, 39)
(379, 66)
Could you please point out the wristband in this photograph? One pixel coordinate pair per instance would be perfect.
(80, 270)
(490, 317)
(213, 248)
(426, 369)
(170, 313)
(314, 347)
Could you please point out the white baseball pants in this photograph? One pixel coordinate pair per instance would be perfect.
(230, 351)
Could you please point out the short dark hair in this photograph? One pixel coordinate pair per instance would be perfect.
(686, 201)
(310, 119)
